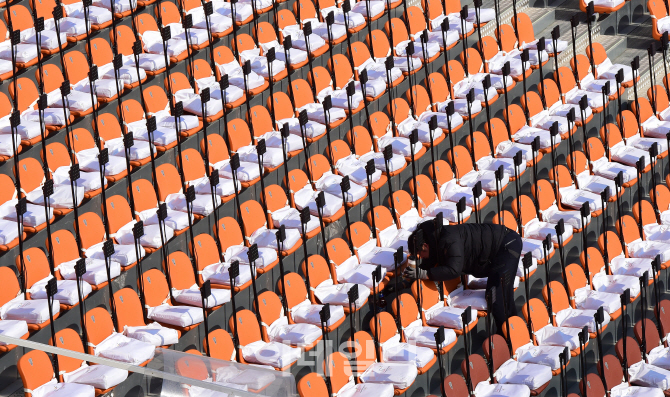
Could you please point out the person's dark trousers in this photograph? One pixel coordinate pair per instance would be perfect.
(505, 265)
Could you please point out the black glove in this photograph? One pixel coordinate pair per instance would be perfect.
(414, 273)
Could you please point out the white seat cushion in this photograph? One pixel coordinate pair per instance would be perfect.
(153, 334)
(531, 375)
(122, 348)
(99, 376)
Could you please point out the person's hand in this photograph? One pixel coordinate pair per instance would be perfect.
(414, 273)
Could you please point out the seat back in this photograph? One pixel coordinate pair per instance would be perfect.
(515, 118)
(82, 140)
(216, 148)
(99, 326)
(661, 195)
(430, 296)
(506, 218)
(583, 65)
(550, 90)
(247, 327)
(181, 271)
(455, 386)
(499, 354)
(269, 307)
(229, 233)
(301, 92)
(419, 98)
(338, 150)
(261, 122)
(358, 53)
(614, 247)
(319, 271)
(35, 369)
(206, 253)
(610, 134)
(144, 195)
(524, 27)
(76, 66)
(10, 285)
(21, 18)
(460, 159)
(507, 37)
(57, 156)
(295, 291)
(560, 174)
(339, 370)
(474, 60)
(383, 218)
(657, 9)
(201, 69)
(613, 371)
(108, 126)
(244, 42)
(239, 135)
(566, 78)
(264, 33)
(409, 311)
(24, 88)
(364, 350)
(543, 192)
(378, 42)
(650, 336)
(338, 251)
(169, 13)
(539, 316)
(422, 187)
(532, 102)
(441, 172)
(37, 265)
(192, 164)
(129, 311)
(595, 259)
(91, 229)
(275, 199)
(358, 233)
(488, 47)
(396, 29)
(221, 345)
(101, 53)
(597, 52)
(416, 19)
(253, 217)
(155, 98)
(145, 22)
(156, 289)
(68, 339)
(628, 124)
(318, 165)
(53, 77)
(559, 297)
(575, 277)
(377, 124)
(123, 37)
(438, 86)
(362, 142)
(168, 180)
(633, 354)
(304, 9)
(64, 246)
(524, 208)
(118, 212)
(594, 386)
(132, 111)
(285, 18)
(340, 67)
(456, 72)
(627, 228)
(497, 132)
(663, 316)
(648, 215)
(312, 384)
(402, 202)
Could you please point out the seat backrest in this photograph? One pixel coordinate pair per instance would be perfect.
(295, 291)
(358, 233)
(318, 165)
(319, 271)
(566, 78)
(144, 195)
(648, 215)
(270, 309)
(596, 261)
(539, 316)
(559, 297)
(253, 217)
(642, 109)
(438, 86)
(5, 104)
(594, 386)
(216, 148)
(474, 60)
(221, 345)
(57, 156)
(434, 7)
(460, 159)
(338, 251)
(364, 350)
(661, 195)
(550, 90)
(192, 164)
(456, 71)
(524, 27)
(244, 42)
(455, 386)
(301, 92)
(37, 265)
(506, 218)
(420, 99)
(285, 18)
(409, 311)
(506, 37)
(64, 246)
(532, 102)
(338, 150)
(613, 371)
(628, 124)
(524, 208)
(10, 285)
(304, 9)
(82, 140)
(633, 353)
(264, 33)
(118, 212)
(339, 370)
(261, 122)
(53, 77)
(544, 194)
(129, 311)
(281, 105)
(577, 162)
(155, 98)
(229, 233)
(248, 330)
(21, 18)
(275, 199)
(596, 148)
(156, 288)
(297, 179)
(123, 37)
(101, 52)
(430, 295)
(206, 253)
(659, 95)
(68, 339)
(181, 271)
(415, 18)
(35, 369)
(627, 227)
(478, 368)
(614, 247)
(178, 81)
(611, 136)
(108, 126)
(663, 316)
(312, 384)
(402, 201)
(99, 325)
(597, 52)
(239, 134)
(383, 217)
(379, 43)
(481, 145)
(560, 174)
(91, 229)
(132, 111)
(488, 47)
(575, 277)
(500, 353)
(497, 132)
(319, 79)
(201, 69)
(358, 53)
(26, 89)
(424, 190)
(169, 13)
(191, 367)
(583, 66)
(145, 22)
(223, 55)
(362, 142)
(76, 66)
(377, 124)
(650, 336)
(168, 180)
(396, 29)
(441, 171)
(515, 118)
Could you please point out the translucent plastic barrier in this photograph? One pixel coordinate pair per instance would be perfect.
(177, 374)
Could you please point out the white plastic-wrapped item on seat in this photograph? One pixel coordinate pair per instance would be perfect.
(218, 273)
(595, 184)
(153, 334)
(486, 177)
(397, 162)
(535, 248)
(176, 220)
(353, 19)
(394, 350)
(558, 336)
(22, 52)
(202, 205)
(336, 294)
(124, 254)
(394, 238)
(655, 128)
(527, 135)
(196, 36)
(616, 284)
(330, 183)
(180, 316)
(120, 6)
(55, 389)
(246, 173)
(13, 329)
(490, 163)
(496, 63)
(573, 218)
(104, 88)
(624, 390)
(660, 357)
(656, 232)
(418, 334)
(643, 374)
(236, 76)
(193, 104)
(266, 256)
(508, 149)
(96, 15)
(66, 293)
(99, 376)
(578, 318)
(595, 99)
(628, 154)
(542, 355)
(8, 231)
(352, 389)
(372, 254)
(485, 389)
(355, 169)
(272, 158)
(243, 9)
(151, 237)
(290, 218)
(463, 87)
(447, 316)
(48, 38)
(649, 249)
(266, 238)
(351, 271)
(122, 348)
(300, 335)
(31, 311)
(259, 63)
(316, 114)
(399, 145)
(400, 375)
(226, 187)
(33, 216)
(276, 354)
(251, 378)
(193, 297)
(531, 375)
(448, 209)
(462, 298)
(573, 197)
(307, 313)
(76, 100)
(544, 120)
(538, 230)
(460, 107)
(152, 42)
(163, 136)
(60, 198)
(630, 266)
(475, 283)
(610, 169)
(588, 299)
(376, 69)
